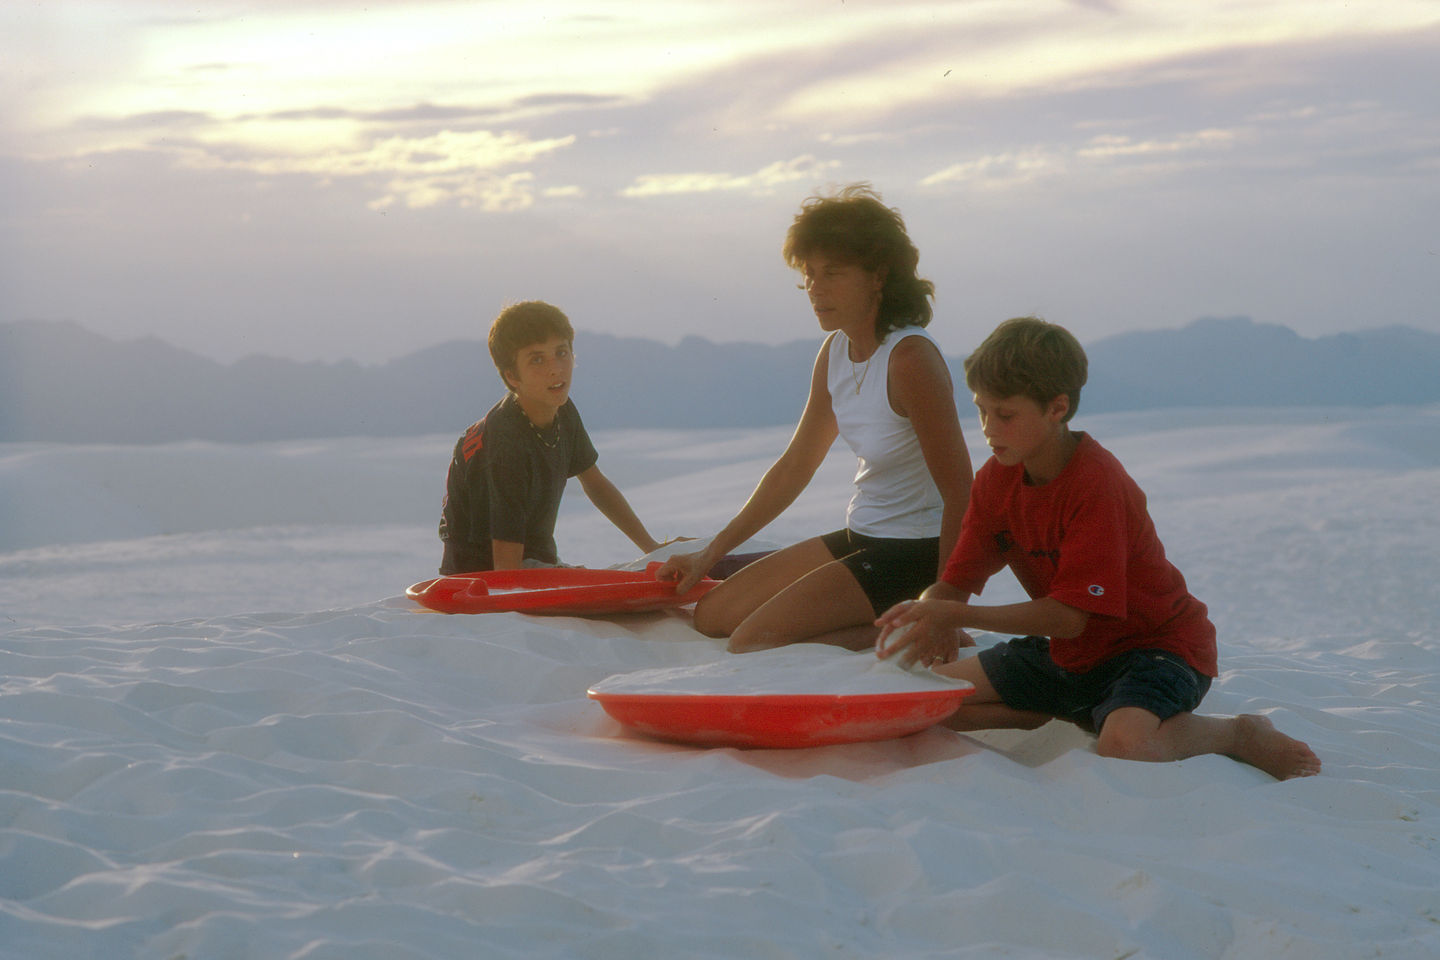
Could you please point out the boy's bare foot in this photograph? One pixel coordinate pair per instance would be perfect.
(1259, 744)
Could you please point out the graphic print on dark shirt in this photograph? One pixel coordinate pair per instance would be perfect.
(504, 484)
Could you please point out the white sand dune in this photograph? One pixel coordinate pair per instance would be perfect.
(224, 733)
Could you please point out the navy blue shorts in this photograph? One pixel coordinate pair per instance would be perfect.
(888, 570)
(1158, 681)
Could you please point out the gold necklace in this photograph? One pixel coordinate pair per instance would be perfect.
(860, 380)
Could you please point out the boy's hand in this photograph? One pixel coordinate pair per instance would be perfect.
(921, 631)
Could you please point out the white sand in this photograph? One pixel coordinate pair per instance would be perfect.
(243, 743)
(804, 669)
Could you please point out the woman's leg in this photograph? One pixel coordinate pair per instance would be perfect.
(721, 610)
(825, 604)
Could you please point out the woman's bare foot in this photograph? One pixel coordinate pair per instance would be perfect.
(1259, 744)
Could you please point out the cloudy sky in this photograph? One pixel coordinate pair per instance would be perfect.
(322, 180)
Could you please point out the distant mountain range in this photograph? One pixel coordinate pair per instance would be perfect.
(60, 382)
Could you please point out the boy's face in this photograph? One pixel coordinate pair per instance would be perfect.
(842, 293)
(1019, 429)
(541, 376)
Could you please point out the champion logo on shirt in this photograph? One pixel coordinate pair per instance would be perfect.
(1096, 590)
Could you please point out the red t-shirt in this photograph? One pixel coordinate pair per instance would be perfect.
(1086, 540)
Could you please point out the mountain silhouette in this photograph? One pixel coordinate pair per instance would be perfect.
(61, 382)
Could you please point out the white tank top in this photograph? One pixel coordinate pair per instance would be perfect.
(894, 493)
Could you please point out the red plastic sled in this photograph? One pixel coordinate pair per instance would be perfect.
(558, 590)
(781, 720)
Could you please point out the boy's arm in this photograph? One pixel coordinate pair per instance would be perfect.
(612, 503)
(507, 555)
(946, 613)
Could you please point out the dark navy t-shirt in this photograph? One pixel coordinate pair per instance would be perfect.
(505, 483)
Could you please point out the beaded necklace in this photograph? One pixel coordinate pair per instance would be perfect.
(554, 431)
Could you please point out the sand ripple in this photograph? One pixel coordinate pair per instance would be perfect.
(400, 784)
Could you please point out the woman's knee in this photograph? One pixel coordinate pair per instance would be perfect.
(745, 639)
(710, 616)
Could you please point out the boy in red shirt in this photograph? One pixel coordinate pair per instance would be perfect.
(1116, 642)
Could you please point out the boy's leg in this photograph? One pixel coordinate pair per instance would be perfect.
(721, 610)
(1133, 733)
(983, 709)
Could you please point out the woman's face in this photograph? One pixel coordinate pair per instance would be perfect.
(843, 294)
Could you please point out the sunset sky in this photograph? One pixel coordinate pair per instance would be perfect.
(325, 180)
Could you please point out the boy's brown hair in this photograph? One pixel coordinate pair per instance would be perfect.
(855, 226)
(1026, 356)
(522, 324)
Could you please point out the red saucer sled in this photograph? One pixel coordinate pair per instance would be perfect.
(781, 720)
(555, 590)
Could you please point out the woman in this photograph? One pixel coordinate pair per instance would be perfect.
(881, 383)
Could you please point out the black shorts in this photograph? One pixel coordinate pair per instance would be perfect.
(462, 558)
(1158, 681)
(888, 570)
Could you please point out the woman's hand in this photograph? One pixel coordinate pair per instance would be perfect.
(927, 632)
(686, 568)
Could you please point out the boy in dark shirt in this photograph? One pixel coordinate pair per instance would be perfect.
(1117, 643)
(509, 469)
